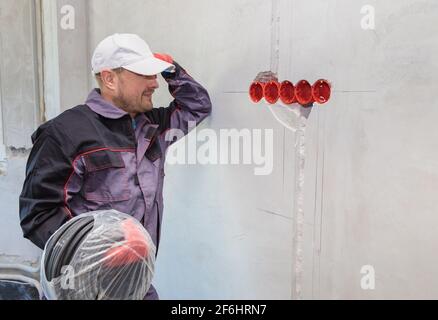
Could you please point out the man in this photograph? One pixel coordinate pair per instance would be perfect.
(109, 153)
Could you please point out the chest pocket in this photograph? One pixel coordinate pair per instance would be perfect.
(106, 177)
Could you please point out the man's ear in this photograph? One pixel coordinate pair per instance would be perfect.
(109, 79)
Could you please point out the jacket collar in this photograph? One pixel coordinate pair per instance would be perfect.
(106, 109)
(100, 106)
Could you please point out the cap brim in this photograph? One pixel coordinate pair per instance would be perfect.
(150, 66)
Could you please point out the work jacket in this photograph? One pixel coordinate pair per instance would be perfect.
(95, 156)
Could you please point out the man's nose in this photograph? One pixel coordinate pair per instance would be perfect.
(155, 84)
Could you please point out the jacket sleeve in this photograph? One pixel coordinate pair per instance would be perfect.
(42, 205)
(190, 106)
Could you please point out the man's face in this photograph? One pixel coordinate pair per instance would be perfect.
(134, 91)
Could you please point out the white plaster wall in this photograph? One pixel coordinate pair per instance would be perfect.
(369, 152)
(219, 238)
(375, 197)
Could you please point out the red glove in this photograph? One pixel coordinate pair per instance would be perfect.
(164, 57)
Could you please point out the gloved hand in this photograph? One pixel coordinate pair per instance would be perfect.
(167, 58)
(164, 57)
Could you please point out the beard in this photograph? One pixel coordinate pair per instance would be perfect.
(133, 105)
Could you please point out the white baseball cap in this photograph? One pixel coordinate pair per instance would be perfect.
(130, 52)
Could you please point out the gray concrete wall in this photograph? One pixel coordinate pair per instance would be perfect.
(12, 243)
(19, 115)
(74, 59)
(18, 71)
